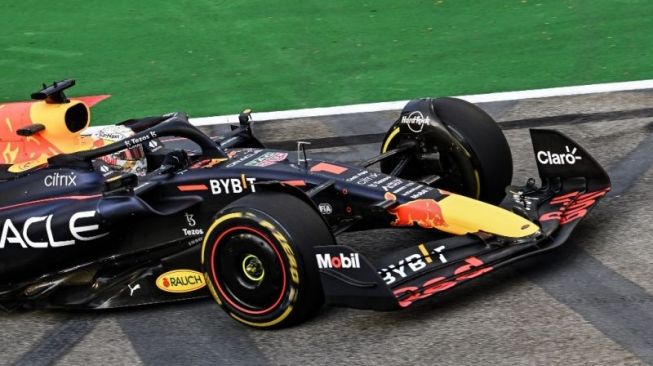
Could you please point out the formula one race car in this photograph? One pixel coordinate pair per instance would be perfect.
(255, 228)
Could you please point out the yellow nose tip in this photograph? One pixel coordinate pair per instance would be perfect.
(465, 215)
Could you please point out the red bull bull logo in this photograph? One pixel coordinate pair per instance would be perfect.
(424, 212)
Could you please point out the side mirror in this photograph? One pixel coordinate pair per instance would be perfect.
(245, 116)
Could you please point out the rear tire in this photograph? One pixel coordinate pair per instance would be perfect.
(259, 263)
(474, 156)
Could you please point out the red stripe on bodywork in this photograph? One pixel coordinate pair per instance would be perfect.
(329, 168)
(193, 187)
(294, 183)
(78, 198)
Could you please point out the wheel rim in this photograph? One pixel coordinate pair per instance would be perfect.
(248, 270)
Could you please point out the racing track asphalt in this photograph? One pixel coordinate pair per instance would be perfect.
(587, 302)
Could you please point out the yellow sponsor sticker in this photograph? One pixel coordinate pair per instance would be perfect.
(180, 281)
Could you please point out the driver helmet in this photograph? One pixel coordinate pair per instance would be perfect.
(131, 160)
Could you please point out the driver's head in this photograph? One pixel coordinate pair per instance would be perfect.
(130, 160)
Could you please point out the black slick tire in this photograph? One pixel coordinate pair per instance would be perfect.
(474, 156)
(259, 263)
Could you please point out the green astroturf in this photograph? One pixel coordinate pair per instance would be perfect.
(209, 57)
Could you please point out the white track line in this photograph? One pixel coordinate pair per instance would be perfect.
(391, 106)
(398, 105)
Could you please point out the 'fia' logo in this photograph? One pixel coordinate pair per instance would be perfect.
(325, 208)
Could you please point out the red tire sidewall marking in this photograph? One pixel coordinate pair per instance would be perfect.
(217, 283)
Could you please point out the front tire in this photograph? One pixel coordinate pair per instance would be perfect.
(473, 156)
(259, 263)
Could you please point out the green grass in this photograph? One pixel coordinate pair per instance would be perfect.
(210, 57)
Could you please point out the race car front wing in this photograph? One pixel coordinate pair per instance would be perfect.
(572, 183)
